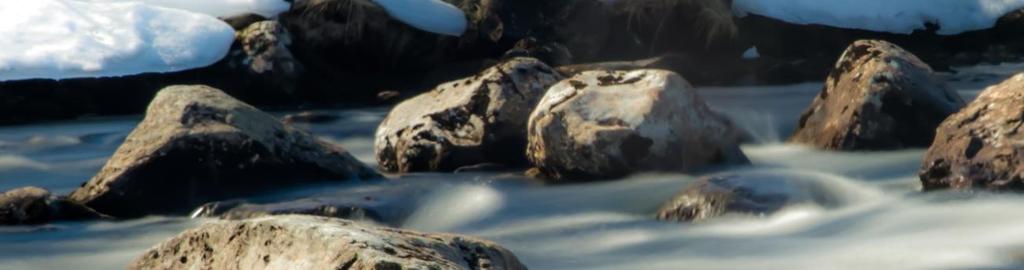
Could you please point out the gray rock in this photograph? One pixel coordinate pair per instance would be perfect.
(715, 196)
(607, 124)
(388, 204)
(198, 145)
(980, 146)
(481, 119)
(307, 242)
(878, 96)
(33, 205)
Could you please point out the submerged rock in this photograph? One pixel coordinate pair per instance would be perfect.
(389, 205)
(287, 242)
(607, 124)
(197, 145)
(310, 117)
(878, 96)
(715, 196)
(470, 121)
(980, 146)
(33, 205)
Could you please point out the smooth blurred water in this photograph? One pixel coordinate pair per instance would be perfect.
(879, 219)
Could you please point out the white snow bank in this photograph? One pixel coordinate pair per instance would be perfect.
(433, 16)
(60, 39)
(218, 8)
(894, 16)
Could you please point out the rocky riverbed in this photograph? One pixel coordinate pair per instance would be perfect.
(864, 209)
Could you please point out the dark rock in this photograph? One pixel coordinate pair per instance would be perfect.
(878, 96)
(715, 196)
(389, 97)
(389, 205)
(310, 117)
(979, 147)
(285, 242)
(242, 21)
(197, 145)
(474, 120)
(266, 57)
(33, 205)
(552, 53)
(607, 124)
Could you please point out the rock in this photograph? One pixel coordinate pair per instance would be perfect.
(265, 55)
(607, 124)
(707, 69)
(33, 205)
(552, 53)
(481, 119)
(197, 145)
(979, 147)
(878, 96)
(714, 196)
(286, 242)
(387, 204)
(242, 21)
(648, 28)
(389, 97)
(310, 117)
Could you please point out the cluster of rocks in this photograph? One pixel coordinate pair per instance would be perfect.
(197, 146)
(594, 125)
(881, 97)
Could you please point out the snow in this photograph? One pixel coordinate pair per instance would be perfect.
(59, 39)
(894, 16)
(218, 8)
(433, 16)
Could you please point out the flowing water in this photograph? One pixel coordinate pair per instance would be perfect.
(879, 219)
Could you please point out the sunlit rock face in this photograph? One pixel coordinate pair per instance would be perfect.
(197, 145)
(480, 119)
(878, 96)
(980, 146)
(306, 242)
(607, 124)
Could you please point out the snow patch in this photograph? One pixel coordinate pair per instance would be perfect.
(217, 8)
(901, 16)
(433, 16)
(59, 39)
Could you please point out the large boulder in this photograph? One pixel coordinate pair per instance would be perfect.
(475, 120)
(606, 124)
(197, 145)
(306, 242)
(759, 194)
(33, 205)
(979, 147)
(877, 97)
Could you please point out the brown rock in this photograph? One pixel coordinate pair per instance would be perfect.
(197, 145)
(33, 205)
(470, 121)
(877, 97)
(604, 124)
(980, 146)
(714, 196)
(306, 242)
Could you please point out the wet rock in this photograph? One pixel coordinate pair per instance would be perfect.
(197, 145)
(607, 124)
(715, 196)
(877, 97)
(389, 97)
(470, 121)
(389, 205)
(33, 205)
(979, 147)
(310, 117)
(551, 53)
(284, 242)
